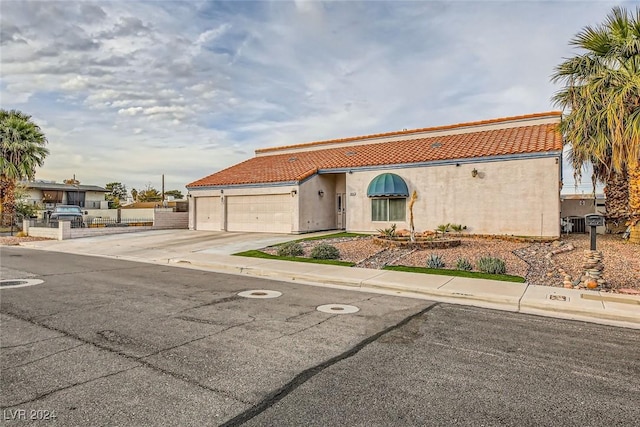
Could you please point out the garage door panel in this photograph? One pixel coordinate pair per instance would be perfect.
(208, 213)
(265, 213)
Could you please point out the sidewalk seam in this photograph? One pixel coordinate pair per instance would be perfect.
(522, 296)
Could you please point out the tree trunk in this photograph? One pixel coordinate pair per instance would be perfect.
(634, 204)
(412, 229)
(7, 201)
(617, 202)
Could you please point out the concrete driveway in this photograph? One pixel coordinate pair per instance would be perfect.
(161, 245)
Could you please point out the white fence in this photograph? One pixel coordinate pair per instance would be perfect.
(161, 219)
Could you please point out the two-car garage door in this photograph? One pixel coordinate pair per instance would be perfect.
(262, 213)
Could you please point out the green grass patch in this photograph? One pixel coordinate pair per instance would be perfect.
(328, 236)
(456, 273)
(260, 254)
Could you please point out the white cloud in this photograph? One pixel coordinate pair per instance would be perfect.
(75, 83)
(201, 85)
(131, 111)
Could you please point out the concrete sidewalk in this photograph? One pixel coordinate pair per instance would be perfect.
(590, 306)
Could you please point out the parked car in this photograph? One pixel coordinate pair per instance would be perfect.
(67, 213)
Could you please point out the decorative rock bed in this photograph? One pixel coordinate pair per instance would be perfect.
(420, 243)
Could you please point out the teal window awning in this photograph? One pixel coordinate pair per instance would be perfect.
(387, 185)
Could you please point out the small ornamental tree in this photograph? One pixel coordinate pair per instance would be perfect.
(412, 229)
(116, 192)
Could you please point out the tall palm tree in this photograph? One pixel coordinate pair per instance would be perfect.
(602, 100)
(23, 149)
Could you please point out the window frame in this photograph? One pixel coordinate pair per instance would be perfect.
(387, 209)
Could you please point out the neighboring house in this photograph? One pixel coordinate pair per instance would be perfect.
(574, 207)
(49, 193)
(500, 176)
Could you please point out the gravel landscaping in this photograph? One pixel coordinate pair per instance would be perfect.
(545, 264)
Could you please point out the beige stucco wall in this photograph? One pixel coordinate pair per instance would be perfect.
(519, 197)
(137, 213)
(92, 199)
(573, 207)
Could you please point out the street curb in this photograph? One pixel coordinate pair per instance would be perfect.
(523, 304)
(596, 307)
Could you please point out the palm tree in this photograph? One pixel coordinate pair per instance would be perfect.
(23, 149)
(602, 99)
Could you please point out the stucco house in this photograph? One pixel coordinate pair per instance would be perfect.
(500, 176)
(574, 207)
(49, 193)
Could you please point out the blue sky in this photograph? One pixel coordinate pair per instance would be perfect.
(128, 91)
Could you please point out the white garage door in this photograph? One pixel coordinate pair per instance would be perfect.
(269, 213)
(208, 213)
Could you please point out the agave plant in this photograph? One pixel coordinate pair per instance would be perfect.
(435, 261)
(463, 264)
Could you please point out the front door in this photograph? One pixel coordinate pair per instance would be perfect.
(341, 211)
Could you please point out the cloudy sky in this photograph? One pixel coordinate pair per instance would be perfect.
(128, 91)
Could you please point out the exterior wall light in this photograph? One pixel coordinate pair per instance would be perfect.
(293, 192)
(474, 172)
(321, 193)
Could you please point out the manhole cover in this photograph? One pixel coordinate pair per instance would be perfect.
(260, 293)
(338, 308)
(19, 283)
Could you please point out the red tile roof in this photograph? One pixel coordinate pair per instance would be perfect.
(521, 138)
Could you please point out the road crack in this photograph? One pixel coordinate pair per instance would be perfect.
(30, 342)
(47, 356)
(139, 360)
(307, 327)
(309, 373)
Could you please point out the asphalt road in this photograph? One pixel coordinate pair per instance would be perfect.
(110, 342)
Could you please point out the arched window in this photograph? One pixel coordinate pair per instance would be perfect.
(388, 193)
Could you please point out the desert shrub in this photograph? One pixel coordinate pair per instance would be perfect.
(388, 232)
(443, 228)
(491, 265)
(290, 249)
(458, 227)
(463, 264)
(435, 261)
(325, 251)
